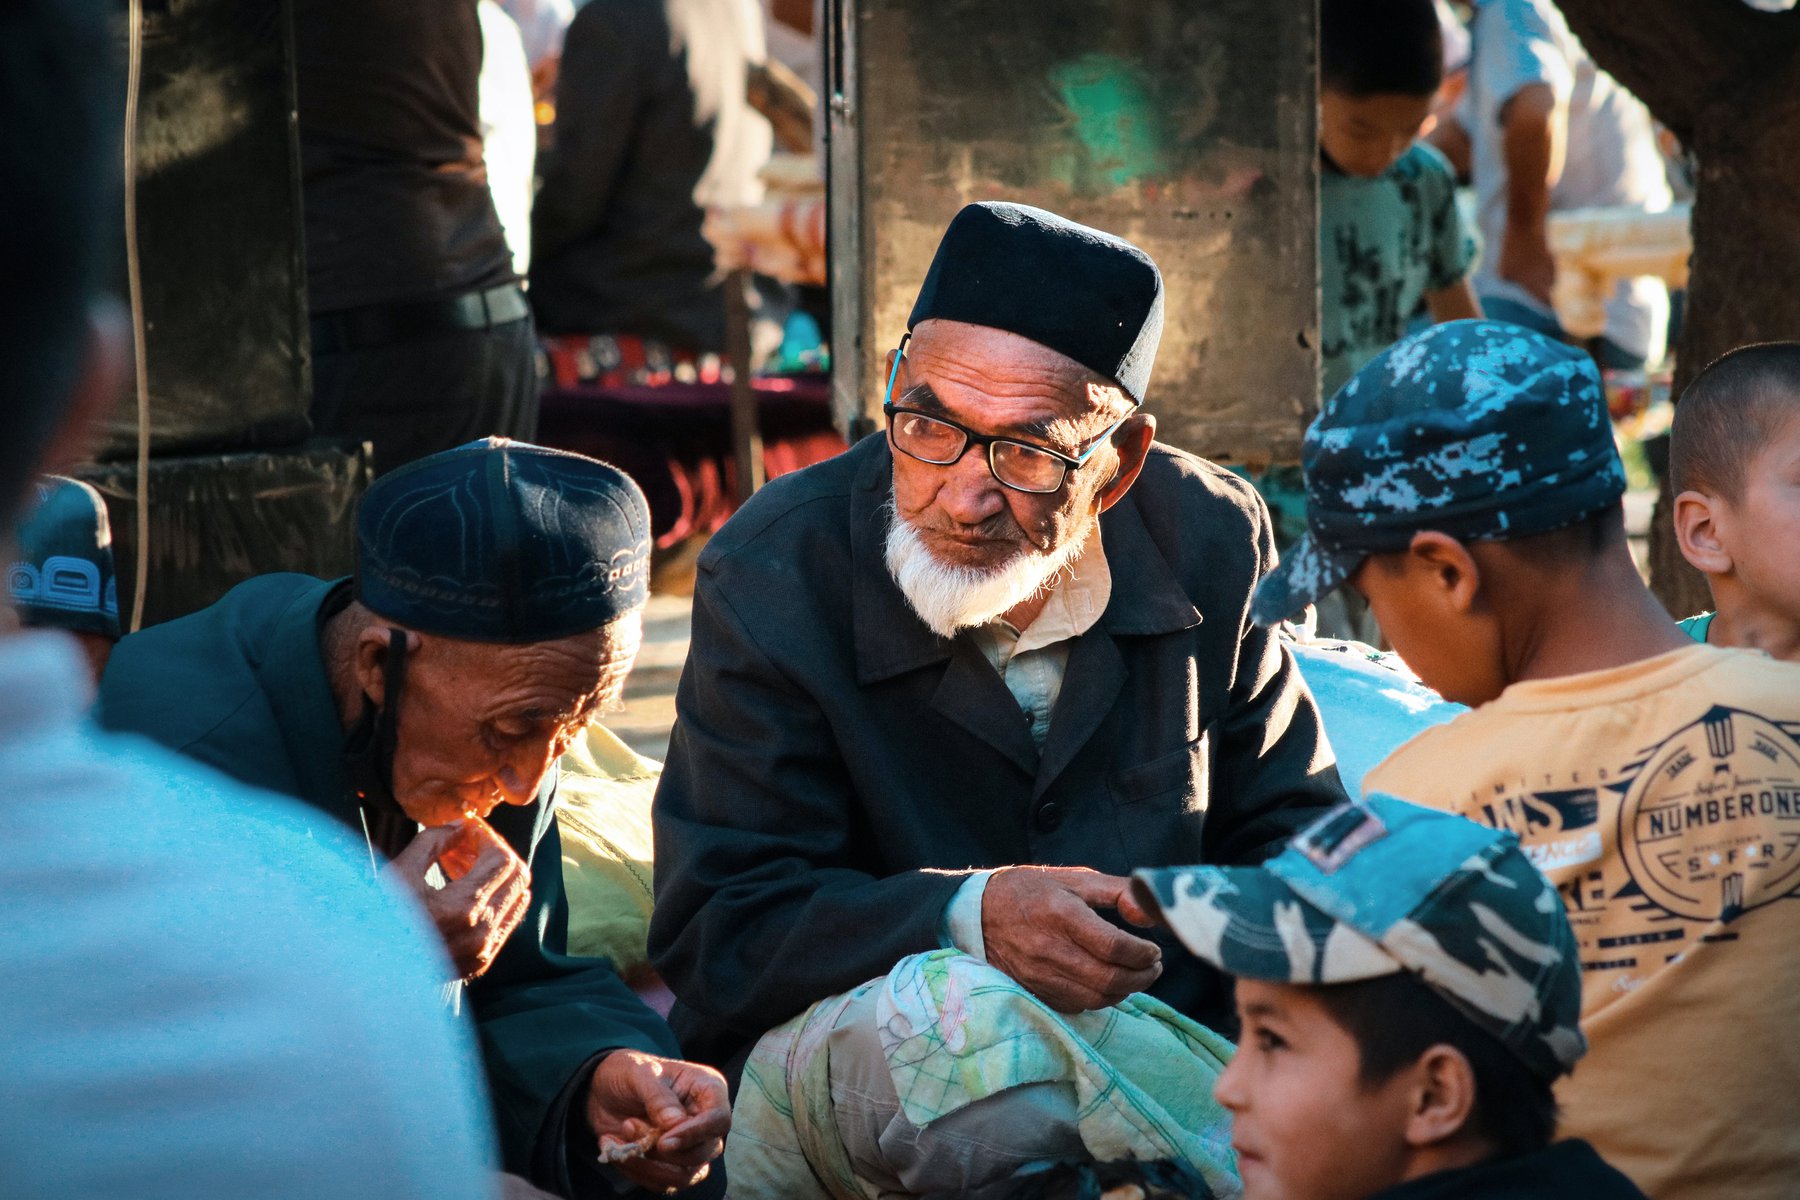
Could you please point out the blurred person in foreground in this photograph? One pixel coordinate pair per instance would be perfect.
(1466, 482)
(187, 1011)
(424, 704)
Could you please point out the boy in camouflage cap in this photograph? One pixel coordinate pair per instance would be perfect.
(1408, 989)
(1465, 482)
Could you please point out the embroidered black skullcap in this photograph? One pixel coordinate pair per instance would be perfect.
(503, 541)
(1088, 295)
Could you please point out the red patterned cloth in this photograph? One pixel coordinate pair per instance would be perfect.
(612, 360)
(675, 440)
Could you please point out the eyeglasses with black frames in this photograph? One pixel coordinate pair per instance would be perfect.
(1022, 466)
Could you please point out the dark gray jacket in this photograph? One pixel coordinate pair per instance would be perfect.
(836, 768)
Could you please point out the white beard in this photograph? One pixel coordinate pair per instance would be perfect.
(949, 598)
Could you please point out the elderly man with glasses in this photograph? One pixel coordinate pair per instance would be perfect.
(945, 692)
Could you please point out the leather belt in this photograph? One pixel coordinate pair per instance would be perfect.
(379, 324)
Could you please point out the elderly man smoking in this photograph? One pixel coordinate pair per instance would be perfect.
(496, 610)
(948, 689)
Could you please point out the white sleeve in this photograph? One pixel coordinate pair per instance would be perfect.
(961, 928)
(1519, 43)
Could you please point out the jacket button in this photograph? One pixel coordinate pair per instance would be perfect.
(1049, 816)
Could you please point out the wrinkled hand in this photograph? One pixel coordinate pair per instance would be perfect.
(683, 1105)
(1039, 926)
(486, 898)
(1525, 259)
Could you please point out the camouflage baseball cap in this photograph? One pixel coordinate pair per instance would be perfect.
(1379, 886)
(1477, 429)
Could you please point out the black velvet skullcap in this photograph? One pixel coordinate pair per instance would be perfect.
(503, 541)
(1088, 295)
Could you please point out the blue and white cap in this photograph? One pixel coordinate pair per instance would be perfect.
(1379, 886)
(1477, 429)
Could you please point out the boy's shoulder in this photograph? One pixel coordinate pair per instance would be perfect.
(1680, 690)
(1423, 161)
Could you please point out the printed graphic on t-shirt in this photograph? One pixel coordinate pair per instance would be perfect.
(1711, 826)
(1707, 827)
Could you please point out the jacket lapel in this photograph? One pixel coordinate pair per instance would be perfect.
(293, 677)
(973, 695)
(1147, 600)
(1091, 686)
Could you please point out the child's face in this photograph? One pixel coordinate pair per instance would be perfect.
(1761, 530)
(1302, 1124)
(1365, 135)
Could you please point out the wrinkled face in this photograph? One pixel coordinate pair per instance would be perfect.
(1453, 652)
(1302, 1123)
(1365, 135)
(480, 725)
(998, 383)
(1761, 530)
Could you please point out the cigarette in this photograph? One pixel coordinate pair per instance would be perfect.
(617, 1150)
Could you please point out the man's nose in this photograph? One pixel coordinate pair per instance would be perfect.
(522, 778)
(970, 494)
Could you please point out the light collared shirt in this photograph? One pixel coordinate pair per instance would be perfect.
(1032, 662)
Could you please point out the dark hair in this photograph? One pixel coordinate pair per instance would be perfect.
(1396, 1018)
(1569, 547)
(1577, 544)
(61, 110)
(1380, 47)
(1730, 411)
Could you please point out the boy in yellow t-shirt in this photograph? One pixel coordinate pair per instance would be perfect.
(1466, 483)
(1734, 459)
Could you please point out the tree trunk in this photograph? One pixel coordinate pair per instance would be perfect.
(1726, 80)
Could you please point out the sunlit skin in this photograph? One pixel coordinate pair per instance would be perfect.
(1472, 618)
(1365, 135)
(1749, 548)
(999, 383)
(1306, 1126)
(479, 724)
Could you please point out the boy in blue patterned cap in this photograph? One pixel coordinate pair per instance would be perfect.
(1467, 484)
(1408, 989)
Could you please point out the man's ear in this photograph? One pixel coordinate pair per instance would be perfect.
(1448, 564)
(103, 369)
(1697, 532)
(1443, 1096)
(1132, 439)
(372, 651)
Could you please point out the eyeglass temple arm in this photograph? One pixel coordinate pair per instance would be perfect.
(887, 397)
